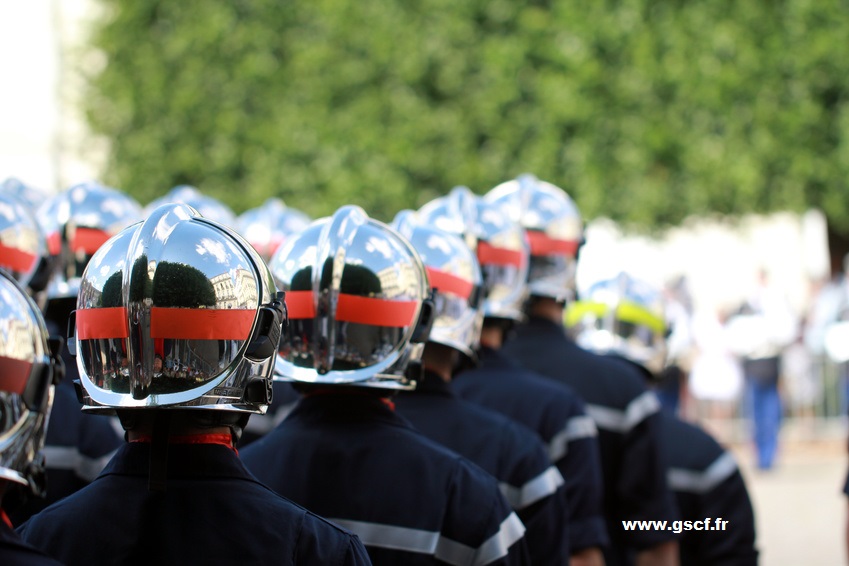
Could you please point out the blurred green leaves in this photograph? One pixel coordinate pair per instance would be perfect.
(645, 112)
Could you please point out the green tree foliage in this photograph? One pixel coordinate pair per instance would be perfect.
(643, 111)
(180, 285)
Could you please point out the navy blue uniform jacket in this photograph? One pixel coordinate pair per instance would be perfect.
(509, 451)
(707, 483)
(556, 413)
(350, 458)
(629, 431)
(212, 512)
(14, 551)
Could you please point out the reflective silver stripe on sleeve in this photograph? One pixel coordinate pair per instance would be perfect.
(541, 486)
(623, 421)
(434, 544)
(69, 458)
(576, 428)
(702, 482)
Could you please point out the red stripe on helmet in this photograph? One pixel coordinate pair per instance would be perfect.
(447, 282)
(542, 244)
(491, 255)
(377, 312)
(356, 309)
(16, 259)
(201, 324)
(14, 375)
(102, 323)
(300, 304)
(54, 243)
(88, 240)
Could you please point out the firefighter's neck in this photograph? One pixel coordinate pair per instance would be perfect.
(177, 427)
(440, 360)
(492, 337)
(546, 308)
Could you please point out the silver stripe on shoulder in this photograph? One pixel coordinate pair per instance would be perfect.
(433, 543)
(582, 426)
(69, 458)
(511, 531)
(691, 481)
(538, 488)
(623, 421)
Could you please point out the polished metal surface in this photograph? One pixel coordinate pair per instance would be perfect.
(267, 227)
(354, 290)
(76, 222)
(624, 316)
(165, 311)
(23, 247)
(24, 356)
(31, 197)
(499, 243)
(554, 228)
(208, 207)
(454, 277)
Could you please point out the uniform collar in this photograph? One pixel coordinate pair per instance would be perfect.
(345, 407)
(184, 461)
(431, 383)
(491, 358)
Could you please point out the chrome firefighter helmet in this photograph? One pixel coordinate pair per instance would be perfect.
(555, 231)
(209, 207)
(500, 244)
(455, 280)
(623, 316)
(23, 247)
(77, 222)
(177, 311)
(29, 368)
(30, 196)
(267, 227)
(357, 293)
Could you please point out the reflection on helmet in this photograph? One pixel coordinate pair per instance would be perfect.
(208, 207)
(77, 222)
(174, 312)
(268, 226)
(623, 316)
(31, 197)
(29, 368)
(499, 242)
(23, 247)
(355, 290)
(554, 228)
(454, 277)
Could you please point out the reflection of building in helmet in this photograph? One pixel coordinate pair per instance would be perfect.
(29, 368)
(622, 316)
(354, 290)
(499, 243)
(554, 228)
(267, 227)
(185, 327)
